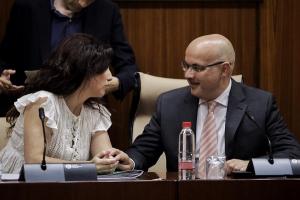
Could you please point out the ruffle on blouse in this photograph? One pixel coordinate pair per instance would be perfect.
(11, 161)
(48, 106)
(103, 119)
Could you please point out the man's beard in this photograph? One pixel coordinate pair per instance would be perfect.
(73, 5)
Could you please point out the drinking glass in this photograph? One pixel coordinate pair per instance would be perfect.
(215, 167)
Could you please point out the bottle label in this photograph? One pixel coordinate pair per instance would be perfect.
(185, 165)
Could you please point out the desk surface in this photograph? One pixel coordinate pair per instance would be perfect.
(153, 186)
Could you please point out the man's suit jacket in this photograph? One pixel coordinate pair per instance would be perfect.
(245, 138)
(26, 43)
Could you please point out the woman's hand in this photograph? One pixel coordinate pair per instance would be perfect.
(104, 162)
(125, 163)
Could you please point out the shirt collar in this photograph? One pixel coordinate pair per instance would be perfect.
(222, 99)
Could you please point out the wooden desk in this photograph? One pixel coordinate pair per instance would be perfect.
(150, 187)
(143, 189)
(240, 189)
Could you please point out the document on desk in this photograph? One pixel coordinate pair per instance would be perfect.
(10, 177)
(120, 175)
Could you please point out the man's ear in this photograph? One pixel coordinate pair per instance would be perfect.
(226, 69)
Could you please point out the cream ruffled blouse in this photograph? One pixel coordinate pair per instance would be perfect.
(71, 135)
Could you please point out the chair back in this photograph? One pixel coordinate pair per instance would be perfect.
(3, 132)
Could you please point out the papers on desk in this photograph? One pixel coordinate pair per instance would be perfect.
(10, 177)
(121, 175)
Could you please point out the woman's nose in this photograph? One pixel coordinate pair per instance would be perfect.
(108, 75)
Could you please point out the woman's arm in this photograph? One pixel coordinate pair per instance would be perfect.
(100, 146)
(33, 135)
(110, 156)
(100, 142)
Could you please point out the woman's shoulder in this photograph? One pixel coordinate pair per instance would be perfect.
(41, 93)
(32, 97)
(28, 99)
(97, 109)
(99, 117)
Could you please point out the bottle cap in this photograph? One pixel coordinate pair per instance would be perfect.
(186, 124)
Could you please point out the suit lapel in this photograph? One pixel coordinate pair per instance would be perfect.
(235, 112)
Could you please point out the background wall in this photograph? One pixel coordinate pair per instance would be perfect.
(264, 34)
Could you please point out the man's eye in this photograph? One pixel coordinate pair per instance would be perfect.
(198, 68)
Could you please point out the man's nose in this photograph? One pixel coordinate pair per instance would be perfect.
(189, 73)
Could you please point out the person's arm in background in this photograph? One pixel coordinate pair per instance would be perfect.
(9, 47)
(6, 85)
(123, 62)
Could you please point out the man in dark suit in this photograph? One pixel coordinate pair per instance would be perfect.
(35, 28)
(244, 116)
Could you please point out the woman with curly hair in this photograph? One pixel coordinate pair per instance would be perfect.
(68, 87)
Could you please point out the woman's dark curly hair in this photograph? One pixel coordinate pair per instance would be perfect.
(77, 59)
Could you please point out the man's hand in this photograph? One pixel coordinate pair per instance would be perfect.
(112, 85)
(125, 163)
(6, 85)
(236, 165)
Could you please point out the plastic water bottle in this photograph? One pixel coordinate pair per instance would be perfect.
(186, 153)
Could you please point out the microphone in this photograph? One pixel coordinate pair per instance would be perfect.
(42, 118)
(270, 150)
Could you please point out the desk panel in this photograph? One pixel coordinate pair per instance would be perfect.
(143, 189)
(148, 187)
(239, 189)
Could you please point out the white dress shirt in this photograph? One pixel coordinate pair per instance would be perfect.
(220, 116)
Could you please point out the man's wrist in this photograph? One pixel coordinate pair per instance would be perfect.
(133, 164)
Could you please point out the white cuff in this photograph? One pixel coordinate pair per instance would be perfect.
(133, 164)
